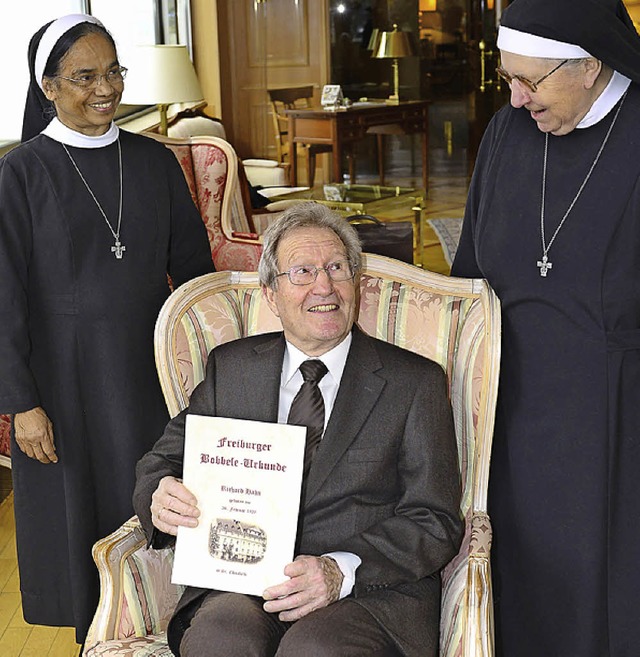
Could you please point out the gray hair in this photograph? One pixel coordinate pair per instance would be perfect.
(305, 215)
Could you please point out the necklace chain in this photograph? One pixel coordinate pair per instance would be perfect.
(544, 264)
(118, 248)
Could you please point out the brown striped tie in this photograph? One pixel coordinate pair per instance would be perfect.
(307, 408)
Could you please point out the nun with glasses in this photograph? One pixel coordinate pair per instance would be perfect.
(92, 219)
(553, 222)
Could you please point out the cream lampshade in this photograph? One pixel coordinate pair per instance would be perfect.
(160, 75)
(394, 45)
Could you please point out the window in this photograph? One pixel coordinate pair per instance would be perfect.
(131, 22)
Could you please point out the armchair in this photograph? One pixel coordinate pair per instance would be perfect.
(453, 321)
(196, 123)
(210, 166)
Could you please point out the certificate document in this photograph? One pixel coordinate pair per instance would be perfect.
(247, 478)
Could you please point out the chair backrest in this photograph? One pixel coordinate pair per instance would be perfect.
(210, 166)
(182, 127)
(281, 100)
(455, 322)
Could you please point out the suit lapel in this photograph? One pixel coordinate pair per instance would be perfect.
(259, 391)
(359, 391)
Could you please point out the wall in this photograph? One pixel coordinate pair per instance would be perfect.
(206, 51)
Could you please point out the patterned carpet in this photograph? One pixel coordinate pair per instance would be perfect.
(448, 232)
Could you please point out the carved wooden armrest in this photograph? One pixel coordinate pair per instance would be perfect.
(479, 630)
(109, 555)
(137, 597)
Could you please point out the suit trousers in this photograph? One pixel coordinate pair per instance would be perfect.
(236, 625)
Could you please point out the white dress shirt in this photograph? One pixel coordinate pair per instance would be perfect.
(290, 383)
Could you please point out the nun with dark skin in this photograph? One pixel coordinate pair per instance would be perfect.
(92, 219)
(553, 223)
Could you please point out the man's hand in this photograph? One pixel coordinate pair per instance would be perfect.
(314, 582)
(34, 435)
(173, 506)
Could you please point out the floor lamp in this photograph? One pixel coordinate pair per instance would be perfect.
(160, 75)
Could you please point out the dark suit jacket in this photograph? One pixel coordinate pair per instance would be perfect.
(384, 483)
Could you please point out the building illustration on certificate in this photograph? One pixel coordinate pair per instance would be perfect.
(236, 541)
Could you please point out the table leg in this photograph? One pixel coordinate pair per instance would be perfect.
(425, 161)
(336, 162)
(418, 215)
(381, 142)
(293, 153)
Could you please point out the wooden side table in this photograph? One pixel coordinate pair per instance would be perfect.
(342, 127)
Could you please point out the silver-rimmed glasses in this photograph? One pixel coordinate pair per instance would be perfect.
(531, 86)
(338, 271)
(113, 76)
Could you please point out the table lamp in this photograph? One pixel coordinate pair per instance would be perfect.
(394, 45)
(374, 40)
(160, 75)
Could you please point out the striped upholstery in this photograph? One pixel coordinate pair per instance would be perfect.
(452, 321)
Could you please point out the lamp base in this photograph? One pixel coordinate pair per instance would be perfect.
(394, 98)
(162, 109)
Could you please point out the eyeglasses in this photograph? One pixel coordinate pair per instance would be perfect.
(338, 271)
(91, 80)
(531, 86)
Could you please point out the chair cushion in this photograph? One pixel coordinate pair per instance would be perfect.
(265, 175)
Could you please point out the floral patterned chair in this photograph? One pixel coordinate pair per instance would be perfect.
(210, 166)
(5, 442)
(453, 321)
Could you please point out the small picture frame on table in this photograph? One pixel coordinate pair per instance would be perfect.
(332, 97)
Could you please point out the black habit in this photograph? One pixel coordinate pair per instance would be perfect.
(566, 453)
(76, 337)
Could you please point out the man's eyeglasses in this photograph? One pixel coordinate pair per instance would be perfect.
(531, 86)
(338, 271)
(115, 76)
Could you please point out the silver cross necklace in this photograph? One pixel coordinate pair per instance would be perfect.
(118, 248)
(545, 265)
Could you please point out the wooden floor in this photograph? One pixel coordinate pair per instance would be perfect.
(447, 194)
(448, 186)
(17, 638)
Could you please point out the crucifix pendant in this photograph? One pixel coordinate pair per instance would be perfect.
(544, 265)
(118, 249)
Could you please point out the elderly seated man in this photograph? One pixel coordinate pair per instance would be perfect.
(380, 516)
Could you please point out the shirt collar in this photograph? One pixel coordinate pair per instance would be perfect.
(606, 101)
(335, 359)
(58, 131)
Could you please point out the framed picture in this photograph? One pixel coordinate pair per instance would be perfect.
(331, 95)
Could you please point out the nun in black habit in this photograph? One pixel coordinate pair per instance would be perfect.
(553, 222)
(92, 219)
